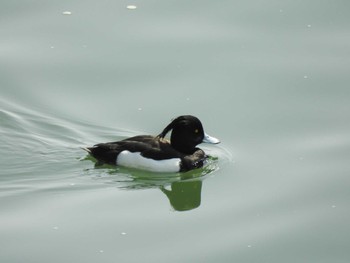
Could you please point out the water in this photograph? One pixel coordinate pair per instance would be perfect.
(269, 78)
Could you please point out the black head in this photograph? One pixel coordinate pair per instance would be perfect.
(187, 133)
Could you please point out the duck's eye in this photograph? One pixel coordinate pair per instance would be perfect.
(196, 131)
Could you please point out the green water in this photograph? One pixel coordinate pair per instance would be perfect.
(270, 79)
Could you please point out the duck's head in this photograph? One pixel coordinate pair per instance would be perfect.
(187, 133)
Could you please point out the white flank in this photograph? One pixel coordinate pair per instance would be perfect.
(136, 160)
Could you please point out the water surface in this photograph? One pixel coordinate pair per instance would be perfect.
(269, 78)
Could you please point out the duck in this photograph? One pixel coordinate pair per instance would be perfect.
(156, 153)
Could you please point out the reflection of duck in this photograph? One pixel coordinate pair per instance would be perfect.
(182, 189)
(184, 195)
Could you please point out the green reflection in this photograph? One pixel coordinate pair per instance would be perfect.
(184, 195)
(183, 190)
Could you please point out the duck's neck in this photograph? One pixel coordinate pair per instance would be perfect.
(182, 147)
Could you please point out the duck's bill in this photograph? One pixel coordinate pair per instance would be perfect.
(210, 139)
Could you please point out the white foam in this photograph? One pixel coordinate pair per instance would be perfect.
(136, 160)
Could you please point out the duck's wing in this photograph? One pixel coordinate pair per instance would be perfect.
(148, 146)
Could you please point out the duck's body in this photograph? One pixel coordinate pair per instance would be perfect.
(154, 153)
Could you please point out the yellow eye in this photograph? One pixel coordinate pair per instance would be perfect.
(196, 131)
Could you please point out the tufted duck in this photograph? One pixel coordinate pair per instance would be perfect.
(156, 153)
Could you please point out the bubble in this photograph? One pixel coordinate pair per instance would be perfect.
(131, 7)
